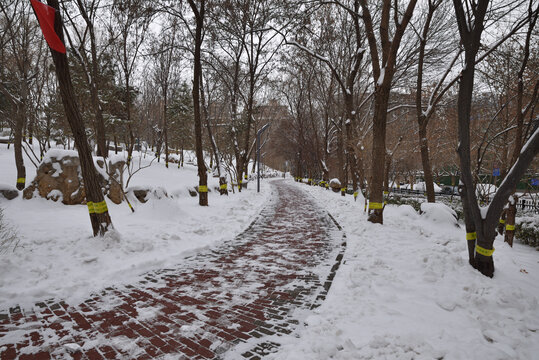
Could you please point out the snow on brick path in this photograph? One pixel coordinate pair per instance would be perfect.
(240, 293)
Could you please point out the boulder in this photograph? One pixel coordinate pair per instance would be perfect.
(143, 194)
(59, 170)
(9, 192)
(116, 172)
(59, 177)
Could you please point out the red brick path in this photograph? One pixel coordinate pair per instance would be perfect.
(238, 292)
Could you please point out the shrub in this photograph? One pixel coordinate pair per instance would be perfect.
(401, 200)
(527, 230)
(416, 203)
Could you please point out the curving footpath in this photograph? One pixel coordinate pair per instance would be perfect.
(243, 292)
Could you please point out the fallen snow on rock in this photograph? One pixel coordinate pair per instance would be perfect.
(405, 291)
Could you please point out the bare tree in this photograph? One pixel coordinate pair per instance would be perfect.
(97, 207)
(129, 25)
(199, 12)
(19, 40)
(434, 25)
(88, 10)
(481, 224)
(383, 61)
(166, 59)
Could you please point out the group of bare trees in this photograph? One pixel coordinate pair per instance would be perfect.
(354, 89)
(356, 68)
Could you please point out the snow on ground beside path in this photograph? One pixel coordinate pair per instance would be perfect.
(57, 256)
(406, 291)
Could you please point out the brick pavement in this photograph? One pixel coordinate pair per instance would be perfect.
(242, 291)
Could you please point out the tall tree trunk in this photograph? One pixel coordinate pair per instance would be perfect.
(376, 195)
(165, 125)
(510, 217)
(197, 74)
(340, 153)
(425, 161)
(17, 146)
(351, 138)
(470, 35)
(222, 177)
(97, 207)
(102, 149)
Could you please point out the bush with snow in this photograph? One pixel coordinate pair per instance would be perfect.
(527, 230)
(439, 213)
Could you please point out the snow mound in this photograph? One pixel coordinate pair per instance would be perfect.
(59, 154)
(116, 158)
(439, 213)
(403, 210)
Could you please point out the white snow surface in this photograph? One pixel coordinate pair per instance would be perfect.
(56, 153)
(405, 291)
(57, 256)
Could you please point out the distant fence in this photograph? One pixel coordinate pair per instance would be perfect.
(523, 204)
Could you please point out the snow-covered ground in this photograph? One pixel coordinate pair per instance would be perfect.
(405, 291)
(57, 256)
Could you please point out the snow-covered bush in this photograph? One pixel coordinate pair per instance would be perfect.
(439, 213)
(8, 236)
(527, 230)
(402, 200)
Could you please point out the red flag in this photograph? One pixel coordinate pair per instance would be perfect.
(45, 14)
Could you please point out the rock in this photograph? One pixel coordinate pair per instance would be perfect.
(116, 171)
(141, 195)
(8, 192)
(61, 172)
(144, 194)
(59, 177)
(335, 185)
